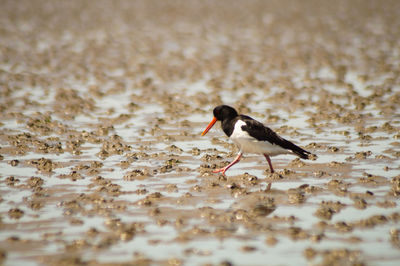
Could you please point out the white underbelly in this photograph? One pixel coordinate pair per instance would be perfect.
(248, 144)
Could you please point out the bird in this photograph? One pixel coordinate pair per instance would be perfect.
(251, 136)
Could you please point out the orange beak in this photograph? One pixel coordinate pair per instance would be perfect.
(209, 126)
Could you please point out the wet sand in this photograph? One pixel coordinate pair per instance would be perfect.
(102, 104)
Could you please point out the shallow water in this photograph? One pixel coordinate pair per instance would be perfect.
(102, 161)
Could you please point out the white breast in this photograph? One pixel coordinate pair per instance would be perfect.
(247, 143)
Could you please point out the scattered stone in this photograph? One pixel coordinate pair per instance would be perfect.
(15, 213)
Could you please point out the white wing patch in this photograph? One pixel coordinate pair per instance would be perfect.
(247, 143)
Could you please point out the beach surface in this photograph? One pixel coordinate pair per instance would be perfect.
(102, 105)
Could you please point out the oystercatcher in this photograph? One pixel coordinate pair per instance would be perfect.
(251, 136)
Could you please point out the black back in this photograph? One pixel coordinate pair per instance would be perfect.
(262, 133)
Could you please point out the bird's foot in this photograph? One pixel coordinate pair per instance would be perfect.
(221, 170)
(268, 188)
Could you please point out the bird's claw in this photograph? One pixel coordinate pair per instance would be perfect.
(222, 170)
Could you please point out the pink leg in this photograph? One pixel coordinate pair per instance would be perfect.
(223, 170)
(269, 162)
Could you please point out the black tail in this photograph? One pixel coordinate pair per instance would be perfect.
(303, 154)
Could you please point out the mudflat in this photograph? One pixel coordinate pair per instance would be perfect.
(102, 104)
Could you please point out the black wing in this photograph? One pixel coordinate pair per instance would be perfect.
(260, 132)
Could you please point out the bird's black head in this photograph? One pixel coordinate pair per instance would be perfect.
(222, 112)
